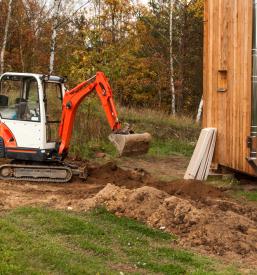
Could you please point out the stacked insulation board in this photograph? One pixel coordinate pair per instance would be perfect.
(200, 162)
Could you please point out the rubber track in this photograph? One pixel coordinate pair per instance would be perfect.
(43, 179)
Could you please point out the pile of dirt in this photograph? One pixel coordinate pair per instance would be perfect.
(215, 226)
(134, 178)
(194, 189)
(202, 216)
(72, 195)
(111, 173)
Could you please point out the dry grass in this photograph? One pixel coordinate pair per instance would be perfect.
(157, 117)
(171, 134)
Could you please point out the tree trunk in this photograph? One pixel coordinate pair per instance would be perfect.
(6, 30)
(199, 112)
(21, 53)
(182, 65)
(172, 87)
(57, 4)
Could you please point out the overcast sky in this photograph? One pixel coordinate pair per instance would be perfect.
(80, 2)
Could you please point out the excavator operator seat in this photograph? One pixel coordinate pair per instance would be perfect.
(3, 101)
(21, 107)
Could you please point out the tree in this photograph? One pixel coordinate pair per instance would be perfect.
(172, 87)
(57, 5)
(199, 111)
(6, 30)
(152, 54)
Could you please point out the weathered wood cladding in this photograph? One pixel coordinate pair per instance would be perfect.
(227, 79)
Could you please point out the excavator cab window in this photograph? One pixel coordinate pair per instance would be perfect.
(53, 107)
(19, 99)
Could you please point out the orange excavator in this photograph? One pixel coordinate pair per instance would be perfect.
(33, 107)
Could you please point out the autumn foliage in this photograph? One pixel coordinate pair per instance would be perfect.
(126, 40)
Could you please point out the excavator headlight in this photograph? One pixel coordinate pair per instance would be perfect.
(65, 79)
(45, 77)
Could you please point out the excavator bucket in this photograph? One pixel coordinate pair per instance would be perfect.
(131, 144)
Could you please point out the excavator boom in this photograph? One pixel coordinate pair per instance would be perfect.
(126, 142)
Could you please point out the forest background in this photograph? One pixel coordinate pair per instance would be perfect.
(150, 51)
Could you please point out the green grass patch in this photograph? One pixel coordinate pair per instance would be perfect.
(158, 148)
(171, 134)
(159, 118)
(162, 126)
(235, 189)
(168, 147)
(89, 149)
(248, 195)
(44, 241)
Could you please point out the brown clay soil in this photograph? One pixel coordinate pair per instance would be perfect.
(203, 217)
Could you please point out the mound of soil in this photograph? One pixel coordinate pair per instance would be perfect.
(194, 189)
(111, 173)
(200, 215)
(216, 226)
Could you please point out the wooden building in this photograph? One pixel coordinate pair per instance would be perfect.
(228, 44)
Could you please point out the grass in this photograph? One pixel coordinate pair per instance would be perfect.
(158, 148)
(161, 148)
(235, 189)
(160, 122)
(171, 135)
(43, 241)
(248, 195)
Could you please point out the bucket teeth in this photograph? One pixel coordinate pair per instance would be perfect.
(131, 144)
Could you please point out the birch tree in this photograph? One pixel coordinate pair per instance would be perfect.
(172, 86)
(200, 110)
(6, 30)
(57, 5)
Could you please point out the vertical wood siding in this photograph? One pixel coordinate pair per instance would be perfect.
(227, 78)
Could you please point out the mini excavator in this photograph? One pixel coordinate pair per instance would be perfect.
(37, 115)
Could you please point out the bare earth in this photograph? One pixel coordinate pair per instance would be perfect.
(203, 217)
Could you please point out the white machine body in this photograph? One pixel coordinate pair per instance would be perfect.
(32, 92)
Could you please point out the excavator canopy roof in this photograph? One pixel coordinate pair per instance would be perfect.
(50, 78)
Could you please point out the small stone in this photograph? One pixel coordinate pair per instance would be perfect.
(100, 155)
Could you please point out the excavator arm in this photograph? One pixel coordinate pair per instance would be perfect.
(126, 142)
(74, 97)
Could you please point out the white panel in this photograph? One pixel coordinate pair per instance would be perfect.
(200, 162)
(27, 133)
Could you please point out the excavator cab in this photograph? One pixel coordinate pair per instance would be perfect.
(30, 113)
